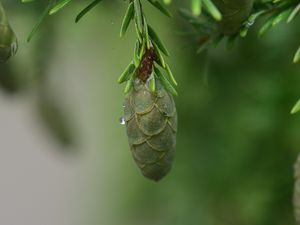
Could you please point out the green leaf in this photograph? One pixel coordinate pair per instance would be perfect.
(86, 10)
(127, 73)
(40, 21)
(167, 2)
(244, 32)
(294, 13)
(139, 35)
(58, 6)
(212, 9)
(136, 56)
(296, 108)
(146, 33)
(267, 26)
(170, 75)
(160, 56)
(201, 24)
(196, 7)
(187, 15)
(127, 18)
(157, 41)
(129, 85)
(250, 21)
(252, 18)
(142, 50)
(281, 16)
(27, 1)
(297, 56)
(168, 86)
(160, 7)
(152, 85)
(139, 15)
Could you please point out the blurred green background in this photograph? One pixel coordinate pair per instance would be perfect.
(65, 158)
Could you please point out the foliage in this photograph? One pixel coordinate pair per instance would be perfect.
(209, 30)
(274, 12)
(146, 38)
(212, 138)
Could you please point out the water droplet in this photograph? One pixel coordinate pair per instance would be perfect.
(122, 121)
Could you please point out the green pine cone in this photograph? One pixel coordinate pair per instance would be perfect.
(234, 13)
(8, 40)
(151, 122)
(296, 199)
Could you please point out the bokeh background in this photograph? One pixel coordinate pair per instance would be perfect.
(64, 156)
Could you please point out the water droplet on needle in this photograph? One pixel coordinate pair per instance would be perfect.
(122, 121)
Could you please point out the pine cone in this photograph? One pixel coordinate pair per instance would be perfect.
(234, 13)
(151, 122)
(8, 40)
(296, 199)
